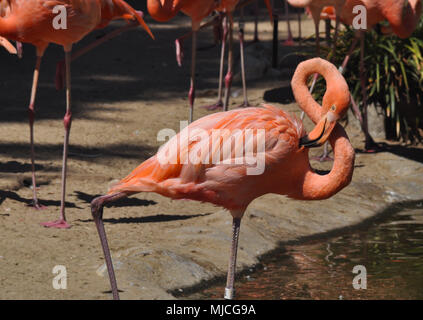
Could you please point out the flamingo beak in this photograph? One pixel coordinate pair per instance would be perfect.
(139, 16)
(321, 132)
(8, 46)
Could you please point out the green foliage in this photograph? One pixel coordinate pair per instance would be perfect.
(394, 74)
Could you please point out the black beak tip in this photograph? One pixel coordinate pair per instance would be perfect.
(306, 142)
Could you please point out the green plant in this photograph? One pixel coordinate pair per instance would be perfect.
(394, 79)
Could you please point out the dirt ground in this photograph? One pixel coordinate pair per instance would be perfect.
(123, 94)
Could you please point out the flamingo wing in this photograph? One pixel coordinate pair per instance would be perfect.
(215, 151)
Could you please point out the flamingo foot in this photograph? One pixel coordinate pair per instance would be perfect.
(245, 105)
(60, 75)
(372, 147)
(37, 206)
(59, 224)
(217, 105)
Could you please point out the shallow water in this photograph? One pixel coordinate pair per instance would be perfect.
(391, 250)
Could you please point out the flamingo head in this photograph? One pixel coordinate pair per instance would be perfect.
(334, 106)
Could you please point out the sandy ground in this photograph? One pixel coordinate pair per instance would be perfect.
(123, 94)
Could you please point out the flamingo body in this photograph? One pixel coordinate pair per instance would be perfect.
(221, 184)
(316, 7)
(164, 10)
(30, 21)
(226, 182)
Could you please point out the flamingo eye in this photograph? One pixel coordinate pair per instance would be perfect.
(333, 108)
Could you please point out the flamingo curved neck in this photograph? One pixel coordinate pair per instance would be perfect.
(314, 186)
(319, 187)
(335, 84)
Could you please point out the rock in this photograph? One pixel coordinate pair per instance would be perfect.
(257, 62)
(376, 123)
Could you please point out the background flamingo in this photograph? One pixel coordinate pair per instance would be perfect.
(403, 17)
(226, 183)
(227, 7)
(290, 40)
(164, 10)
(316, 7)
(31, 21)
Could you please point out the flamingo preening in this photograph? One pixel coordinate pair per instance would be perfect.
(31, 21)
(210, 160)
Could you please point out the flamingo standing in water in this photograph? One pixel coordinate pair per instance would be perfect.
(164, 10)
(198, 170)
(227, 7)
(403, 17)
(31, 21)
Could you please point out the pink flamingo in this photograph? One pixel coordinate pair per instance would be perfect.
(227, 7)
(290, 41)
(221, 179)
(403, 17)
(316, 7)
(31, 21)
(164, 10)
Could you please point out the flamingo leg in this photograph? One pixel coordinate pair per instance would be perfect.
(335, 36)
(241, 48)
(31, 111)
(316, 17)
(19, 49)
(219, 103)
(256, 16)
(60, 68)
(191, 94)
(327, 31)
(67, 121)
(229, 75)
(97, 206)
(179, 42)
(347, 57)
(316, 26)
(230, 290)
(299, 27)
(290, 40)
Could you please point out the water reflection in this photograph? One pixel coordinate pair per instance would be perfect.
(391, 251)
